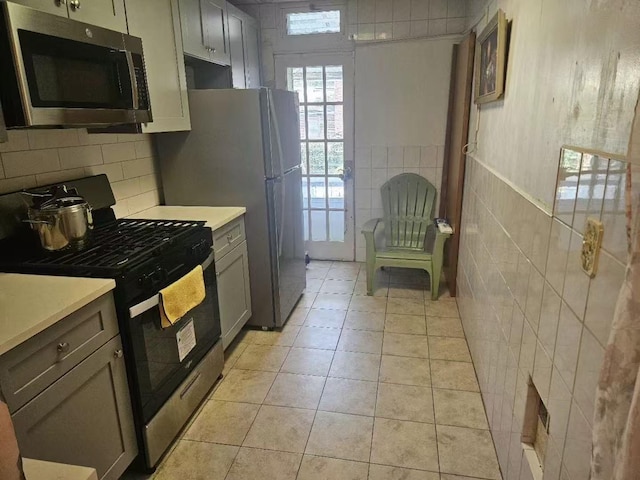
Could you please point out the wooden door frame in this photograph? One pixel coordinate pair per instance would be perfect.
(451, 201)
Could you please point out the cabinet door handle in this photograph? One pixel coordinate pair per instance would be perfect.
(63, 347)
(230, 238)
(118, 353)
(74, 4)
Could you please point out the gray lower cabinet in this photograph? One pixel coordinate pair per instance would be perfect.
(234, 293)
(84, 418)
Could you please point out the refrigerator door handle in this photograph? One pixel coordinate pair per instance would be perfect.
(276, 129)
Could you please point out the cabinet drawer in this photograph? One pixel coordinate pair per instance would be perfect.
(228, 237)
(32, 366)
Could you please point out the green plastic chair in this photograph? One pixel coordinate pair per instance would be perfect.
(408, 200)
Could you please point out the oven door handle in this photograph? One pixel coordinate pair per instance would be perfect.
(135, 95)
(154, 301)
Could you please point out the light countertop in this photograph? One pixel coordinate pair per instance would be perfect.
(30, 304)
(215, 217)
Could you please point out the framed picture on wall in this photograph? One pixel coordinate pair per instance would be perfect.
(491, 60)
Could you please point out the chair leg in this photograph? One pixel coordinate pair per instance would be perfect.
(435, 282)
(371, 273)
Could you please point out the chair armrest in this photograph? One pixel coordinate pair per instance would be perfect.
(370, 226)
(368, 229)
(438, 245)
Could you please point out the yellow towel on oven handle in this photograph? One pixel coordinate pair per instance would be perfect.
(181, 296)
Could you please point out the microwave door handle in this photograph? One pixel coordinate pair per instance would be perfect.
(134, 81)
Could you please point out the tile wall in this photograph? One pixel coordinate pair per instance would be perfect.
(41, 157)
(398, 19)
(375, 165)
(529, 312)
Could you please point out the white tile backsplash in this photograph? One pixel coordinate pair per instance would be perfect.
(40, 157)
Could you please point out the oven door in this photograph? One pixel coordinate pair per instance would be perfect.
(70, 73)
(163, 358)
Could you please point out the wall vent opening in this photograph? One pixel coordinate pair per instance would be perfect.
(535, 431)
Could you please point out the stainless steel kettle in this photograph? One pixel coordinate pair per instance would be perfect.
(60, 220)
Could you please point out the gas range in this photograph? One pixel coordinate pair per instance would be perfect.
(143, 257)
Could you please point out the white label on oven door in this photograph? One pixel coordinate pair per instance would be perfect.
(186, 339)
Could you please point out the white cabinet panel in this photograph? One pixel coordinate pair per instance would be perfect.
(157, 22)
(56, 7)
(102, 13)
(237, 51)
(251, 36)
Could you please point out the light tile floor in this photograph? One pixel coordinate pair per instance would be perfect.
(353, 387)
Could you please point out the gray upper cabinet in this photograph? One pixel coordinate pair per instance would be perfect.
(237, 51)
(157, 22)
(251, 35)
(205, 30)
(243, 42)
(102, 13)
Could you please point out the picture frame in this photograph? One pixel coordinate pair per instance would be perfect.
(491, 60)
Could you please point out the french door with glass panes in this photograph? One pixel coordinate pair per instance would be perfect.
(324, 83)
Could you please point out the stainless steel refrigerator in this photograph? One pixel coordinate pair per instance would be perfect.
(244, 150)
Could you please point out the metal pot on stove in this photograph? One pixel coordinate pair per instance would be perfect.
(60, 220)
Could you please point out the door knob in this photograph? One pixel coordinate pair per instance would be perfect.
(345, 174)
(74, 4)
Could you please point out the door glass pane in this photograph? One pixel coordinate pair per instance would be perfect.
(318, 192)
(295, 82)
(335, 157)
(316, 157)
(303, 157)
(335, 122)
(303, 124)
(315, 85)
(336, 226)
(336, 193)
(318, 225)
(316, 122)
(305, 214)
(305, 193)
(334, 83)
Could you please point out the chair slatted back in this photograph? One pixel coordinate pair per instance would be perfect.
(408, 201)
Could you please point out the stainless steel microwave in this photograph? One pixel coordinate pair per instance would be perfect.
(60, 72)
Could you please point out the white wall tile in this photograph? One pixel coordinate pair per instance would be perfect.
(419, 28)
(588, 372)
(456, 25)
(437, 27)
(17, 140)
(401, 30)
(576, 283)
(52, 138)
(366, 12)
(384, 11)
(366, 31)
(384, 31)
(379, 157)
(401, 10)
(363, 198)
(603, 293)
(118, 152)
(17, 183)
(113, 171)
(59, 176)
(419, 9)
(363, 178)
(456, 8)
(363, 157)
(74, 157)
(396, 157)
(30, 162)
(144, 148)
(138, 168)
(411, 157)
(437, 9)
(352, 12)
(428, 156)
